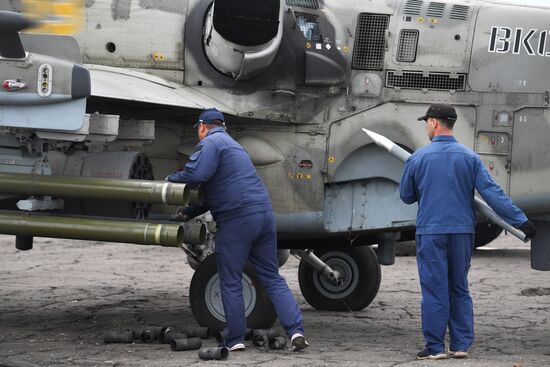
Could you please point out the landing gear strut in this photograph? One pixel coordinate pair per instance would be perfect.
(339, 280)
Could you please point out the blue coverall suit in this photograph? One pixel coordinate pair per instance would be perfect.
(442, 177)
(241, 207)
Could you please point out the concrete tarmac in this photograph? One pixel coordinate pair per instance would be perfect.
(59, 299)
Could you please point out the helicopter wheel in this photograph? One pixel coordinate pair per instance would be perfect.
(360, 273)
(206, 302)
(486, 232)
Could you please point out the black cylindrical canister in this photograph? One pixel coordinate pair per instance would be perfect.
(186, 344)
(277, 343)
(119, 337)
(213, 353)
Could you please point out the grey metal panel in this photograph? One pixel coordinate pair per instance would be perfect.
(300, 223)
(129, 85)
(146, 34)
(531, 167)
(507, 66)
(444, 42)
(366, 205)
(67, 116)
(61, 47)
(498, 167)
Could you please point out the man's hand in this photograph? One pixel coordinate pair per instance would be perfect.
(529, 229)
(180, 215)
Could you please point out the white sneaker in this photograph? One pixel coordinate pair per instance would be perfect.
(239, 347)
(299, 342)
(458, 354)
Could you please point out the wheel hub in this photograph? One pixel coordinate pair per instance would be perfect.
(214, 300)
(348, 272)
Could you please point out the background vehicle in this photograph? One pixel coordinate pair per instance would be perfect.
(297, 79)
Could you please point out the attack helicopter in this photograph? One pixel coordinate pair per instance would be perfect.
(297, 81)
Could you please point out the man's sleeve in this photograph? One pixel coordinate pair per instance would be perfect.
(200, 167)
(497, 199)
(407, 187)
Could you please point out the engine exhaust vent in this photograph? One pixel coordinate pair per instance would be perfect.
(460, 12)
(436, 10)
(406, 49)
(370, 43)
(259, 19)
(413, 7)
(417, 80)
(309, 4)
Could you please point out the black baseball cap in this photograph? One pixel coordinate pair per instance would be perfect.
(440, 111)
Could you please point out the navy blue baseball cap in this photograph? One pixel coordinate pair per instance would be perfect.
(209, 116)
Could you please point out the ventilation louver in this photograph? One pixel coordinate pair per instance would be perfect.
(370, 43)
(436, 10)
(417, 80)
(406, 49)
(460, 12)
(413, 7)
(310, 4)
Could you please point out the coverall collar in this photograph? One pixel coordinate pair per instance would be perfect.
(216, 130)
(443, 138)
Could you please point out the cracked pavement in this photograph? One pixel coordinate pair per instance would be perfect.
(59, 299)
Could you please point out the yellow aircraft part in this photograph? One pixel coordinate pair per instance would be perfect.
(61, 17)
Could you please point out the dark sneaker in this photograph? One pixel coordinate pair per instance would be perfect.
(458, 354)
(239, 347)
(299, 342)
(425, 354)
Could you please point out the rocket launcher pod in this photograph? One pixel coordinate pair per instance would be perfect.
(480, 205)
(194, 233)
(144, 191)
(92, 229)
(185, 344)
(213, 353)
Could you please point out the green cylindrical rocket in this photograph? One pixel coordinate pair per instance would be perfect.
(145, 191)
(90, 228)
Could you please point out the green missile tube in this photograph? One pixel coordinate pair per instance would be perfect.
(93, 229)
(143, 191)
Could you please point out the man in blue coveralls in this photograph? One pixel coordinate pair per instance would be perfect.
(442, 177)
(241, 207)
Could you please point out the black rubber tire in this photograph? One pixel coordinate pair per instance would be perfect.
(361, 283)
(261, 316)
(486, 232)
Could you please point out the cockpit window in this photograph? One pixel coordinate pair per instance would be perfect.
(309, 25)
(310, 4)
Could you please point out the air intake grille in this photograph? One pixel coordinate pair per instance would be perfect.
(413, 7)
(368, 53)
(460, 12)
(436, 10)
(310, 4)
(406, 49)
(416, 80)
